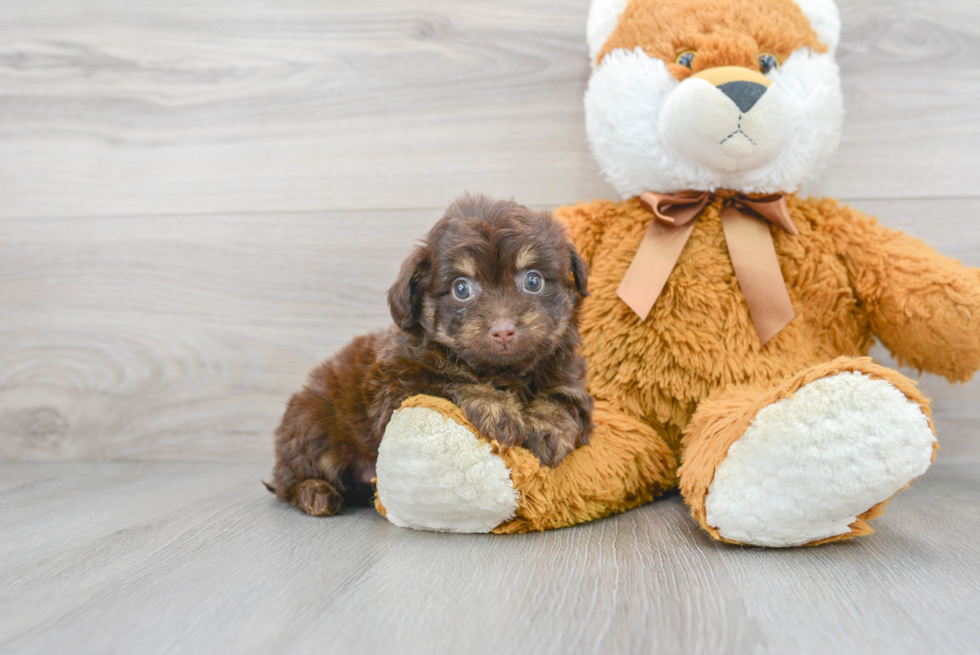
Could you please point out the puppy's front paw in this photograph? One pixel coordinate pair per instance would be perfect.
(552, 439)
(499, 419)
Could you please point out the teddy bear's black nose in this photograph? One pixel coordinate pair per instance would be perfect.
(743, 94)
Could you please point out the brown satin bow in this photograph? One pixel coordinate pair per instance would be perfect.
(745, 221)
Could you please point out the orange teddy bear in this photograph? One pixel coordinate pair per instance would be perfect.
(729, 319)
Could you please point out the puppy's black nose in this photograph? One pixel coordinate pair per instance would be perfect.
(743, 94)
(503, 331)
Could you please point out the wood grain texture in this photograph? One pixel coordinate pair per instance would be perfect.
(198, 558)
(911, 76)
(177, 334)
(142, 108)
(136, 107)
(181, 338)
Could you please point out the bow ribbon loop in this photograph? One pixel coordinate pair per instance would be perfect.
(771, 208)
(745, 221)
(679, 209)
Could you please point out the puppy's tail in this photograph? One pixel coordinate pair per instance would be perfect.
(269, 487)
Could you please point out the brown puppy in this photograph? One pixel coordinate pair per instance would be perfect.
(485, 315)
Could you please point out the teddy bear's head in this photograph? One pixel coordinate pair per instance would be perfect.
(713, 94)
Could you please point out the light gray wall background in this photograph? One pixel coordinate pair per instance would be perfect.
(201, 200)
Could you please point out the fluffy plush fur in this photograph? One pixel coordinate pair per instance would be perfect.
(437, 472)
(822, 453)
(604, 16)
(432, 450)
(802, 440)
(485, 312)
(654, 125)
(824, 18)
(859, 431)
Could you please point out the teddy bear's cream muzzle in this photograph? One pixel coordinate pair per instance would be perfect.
(729, 119)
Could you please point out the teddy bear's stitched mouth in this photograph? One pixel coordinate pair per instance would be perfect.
(738, 130)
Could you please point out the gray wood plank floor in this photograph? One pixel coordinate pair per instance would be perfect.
(200, 201)
(198, 558)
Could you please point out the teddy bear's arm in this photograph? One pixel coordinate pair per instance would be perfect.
(923, 306)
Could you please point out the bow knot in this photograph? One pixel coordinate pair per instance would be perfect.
(745, 220)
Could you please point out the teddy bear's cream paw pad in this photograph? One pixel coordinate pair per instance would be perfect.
(808, 465)
(435, 474)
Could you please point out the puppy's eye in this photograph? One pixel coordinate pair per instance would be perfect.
(463, 289)
(768, 63)
(533, 282)
(685, 58)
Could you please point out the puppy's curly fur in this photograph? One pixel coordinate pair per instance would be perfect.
(485, 315)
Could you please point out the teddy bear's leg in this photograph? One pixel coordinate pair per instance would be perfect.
(807, 461)
(436, 473)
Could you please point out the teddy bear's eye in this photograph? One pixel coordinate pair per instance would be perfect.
(768, 63)
(685, 58)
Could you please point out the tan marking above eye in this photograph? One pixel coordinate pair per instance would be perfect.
(525, 257)
(466, 266)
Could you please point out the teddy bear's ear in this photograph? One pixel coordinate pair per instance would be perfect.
(603, 17)
(825, 20)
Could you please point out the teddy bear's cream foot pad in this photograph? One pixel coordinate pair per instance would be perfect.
(435, 474)
(810, 464)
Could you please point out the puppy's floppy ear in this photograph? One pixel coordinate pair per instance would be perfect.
(405, 295)
(580, 272)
